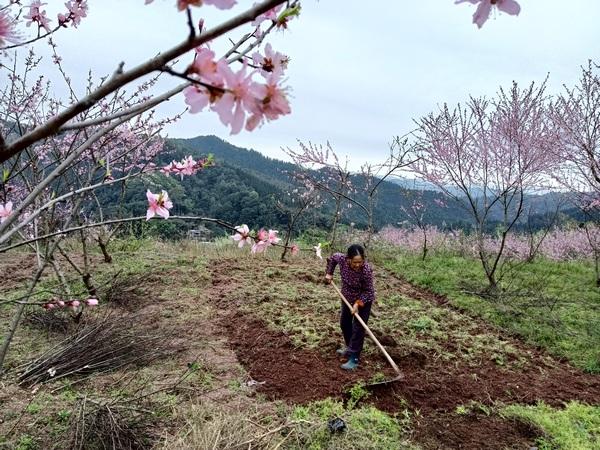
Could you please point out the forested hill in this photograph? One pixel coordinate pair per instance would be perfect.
(272, 170)
(244, 187)
(266, 179)
(390, 198)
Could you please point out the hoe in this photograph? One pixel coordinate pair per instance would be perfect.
(399, 375)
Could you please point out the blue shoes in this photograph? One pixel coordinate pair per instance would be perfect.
(351, 364)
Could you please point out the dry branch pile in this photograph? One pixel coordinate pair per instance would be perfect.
(109, 426)
(110, 344)
(48, 321)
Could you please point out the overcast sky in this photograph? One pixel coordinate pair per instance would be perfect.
(359, 74)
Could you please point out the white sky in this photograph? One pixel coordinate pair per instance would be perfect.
(359, 73)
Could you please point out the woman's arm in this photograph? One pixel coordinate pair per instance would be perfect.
(333, 261)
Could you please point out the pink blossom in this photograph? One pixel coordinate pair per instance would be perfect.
(60, 303)
(295, 249)
(262, 235)
(35, 15)
(7, 30)
(158, 204)
(242, 236)
(236, 99)
(272, 237)
(264, 239)
(484, 8)
(318, 250)
(205, 65)
(77, 10)
(92, 301)
(187, 166)
(197, 98)
(74, 304)
(207, 70)
(260, 247)
(271, 62)
(5, 211)
(270, 101)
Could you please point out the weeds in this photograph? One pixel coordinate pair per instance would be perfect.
(575, 427)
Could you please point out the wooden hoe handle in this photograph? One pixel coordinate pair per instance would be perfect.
(371, 335)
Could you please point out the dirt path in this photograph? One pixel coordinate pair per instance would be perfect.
(433, 388)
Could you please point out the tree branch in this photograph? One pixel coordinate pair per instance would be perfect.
(53, 125)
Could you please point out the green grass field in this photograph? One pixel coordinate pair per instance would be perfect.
(551, 304)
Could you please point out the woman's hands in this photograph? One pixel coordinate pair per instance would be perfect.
(328, 278)
(355, 308)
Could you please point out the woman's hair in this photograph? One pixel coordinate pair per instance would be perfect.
(355, 250)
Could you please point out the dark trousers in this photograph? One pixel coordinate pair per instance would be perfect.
(354, 333)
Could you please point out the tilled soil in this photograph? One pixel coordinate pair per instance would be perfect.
(432, 388)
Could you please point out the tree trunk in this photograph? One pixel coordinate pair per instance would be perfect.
(104, 250)
(17, 316)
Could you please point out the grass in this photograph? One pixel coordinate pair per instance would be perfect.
(367, 427)
(150, 269)
(575, 427)
(291, 298)
(551, 304)
(173, 279)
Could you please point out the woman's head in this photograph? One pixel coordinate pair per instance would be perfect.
(355, 256)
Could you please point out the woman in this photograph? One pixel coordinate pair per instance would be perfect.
(357, 287)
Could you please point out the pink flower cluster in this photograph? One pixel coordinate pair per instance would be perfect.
(37, 15)
(73, 304)
(187, 166)
(158, 205)
(558, 244)
(264, 238)
(5, 211)
(412, 239)
(76, 10)
(234, 95)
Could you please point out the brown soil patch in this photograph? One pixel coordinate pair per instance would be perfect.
(289, 373)
(432, 387)
(16, 269)
(452, 432)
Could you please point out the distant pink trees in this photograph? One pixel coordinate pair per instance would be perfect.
(576, 116)
(486, 155)
(299, 200)
(415, 211)
(559, 244)
(321, 169)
